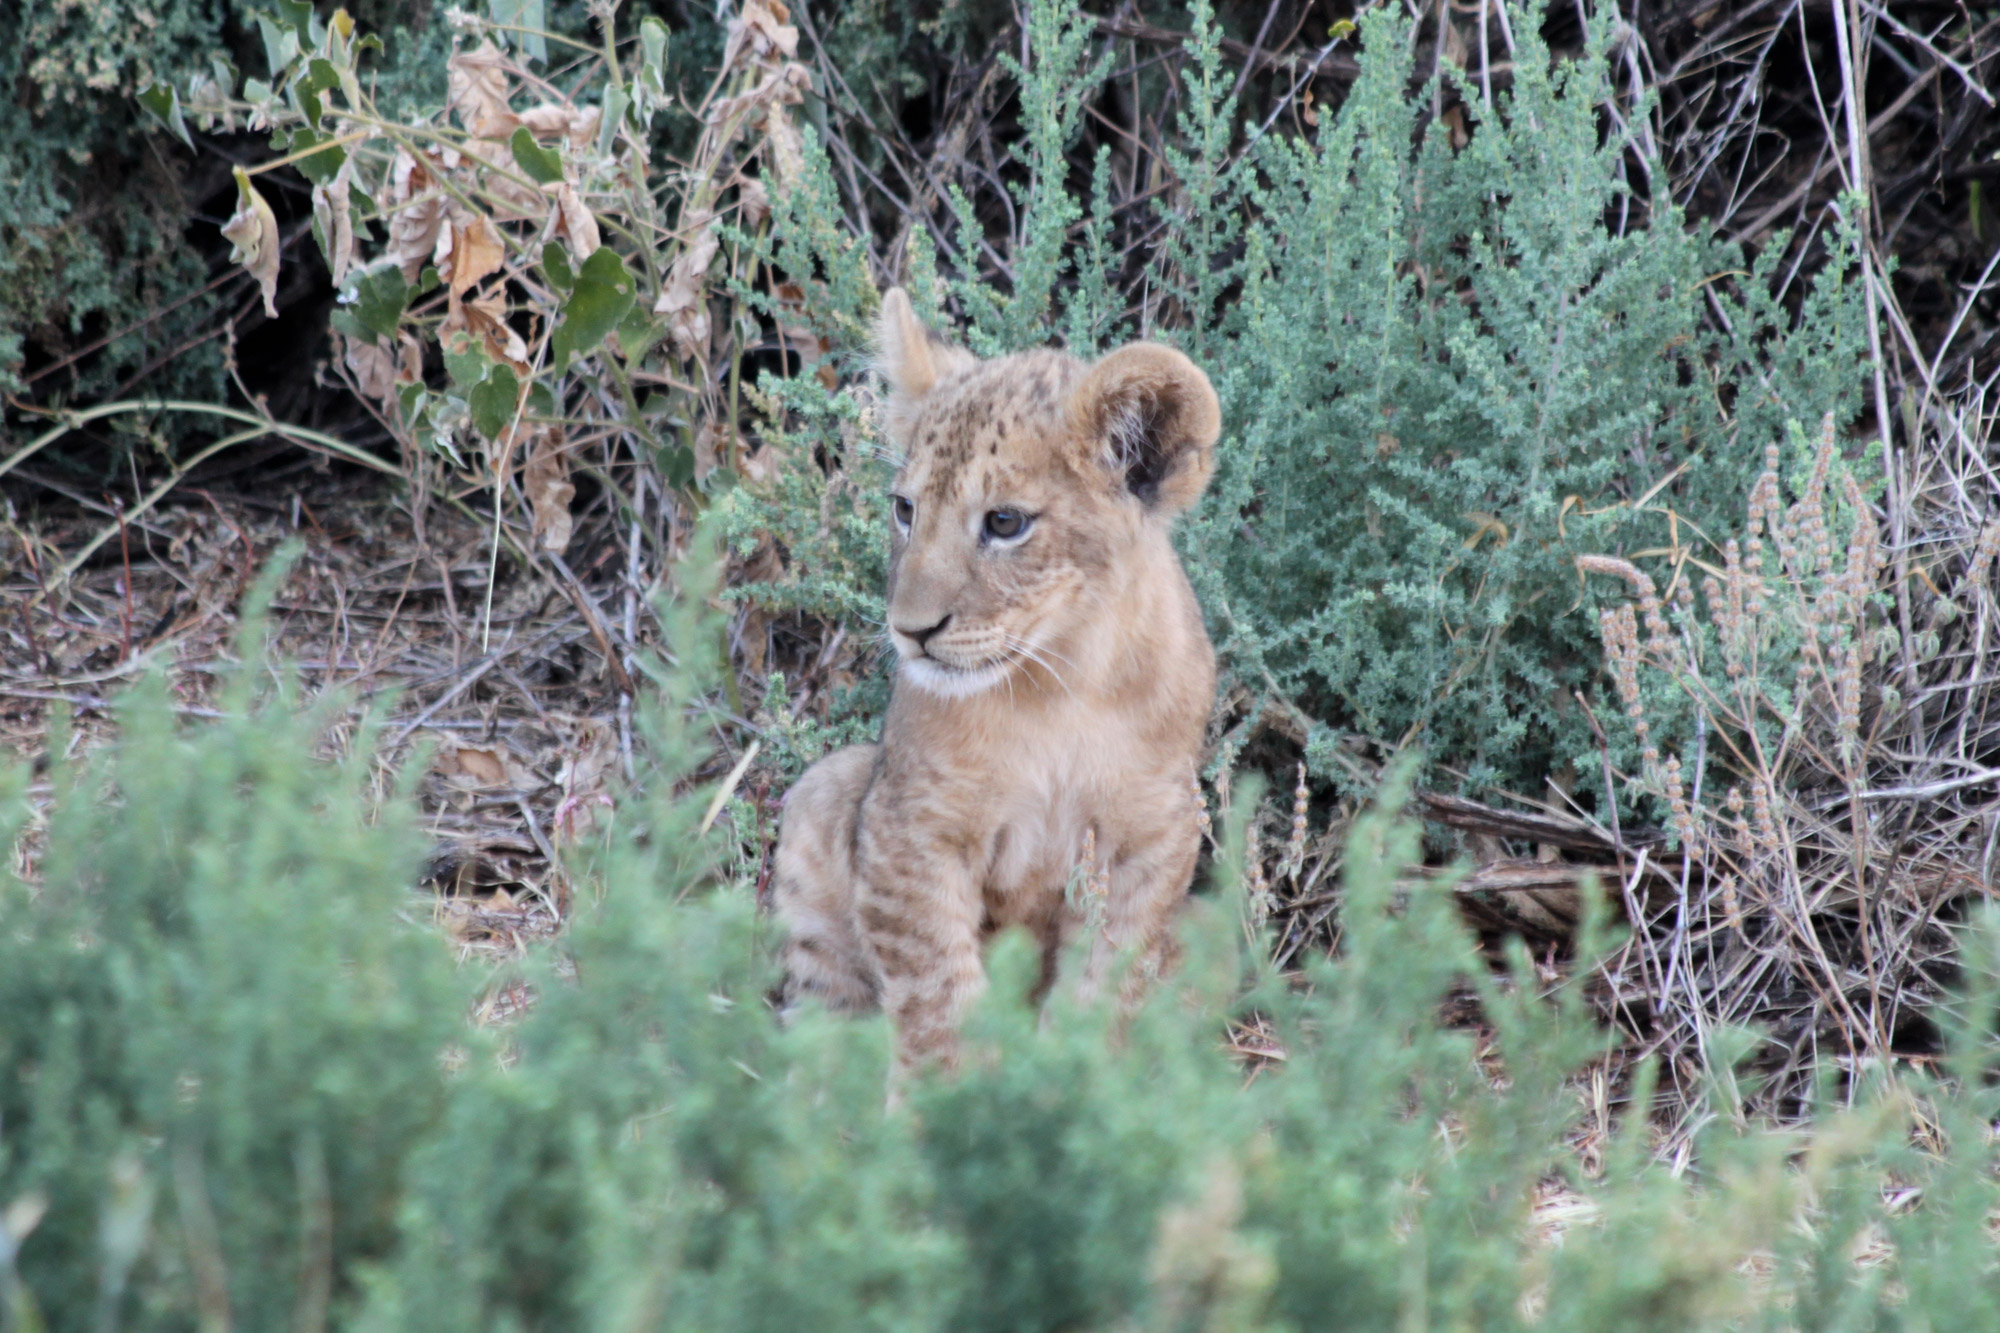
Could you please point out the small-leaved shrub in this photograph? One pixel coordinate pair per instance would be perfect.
(239, 1087)
(1446, 370)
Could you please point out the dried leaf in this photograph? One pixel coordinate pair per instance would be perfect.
(549, 490)
(409, 359)
(413, 226)
(706, 453)
(486, 320)
(253, 231)
(764, 465)
(785, 86)
(476, 250)
(752, 200)
(484, 768)
(573, 219)
(477, 767)
(374, 370)
(578, 125)
(511, 198)
(478, 80)
(683, 294)
(336, 221)
(766, 23)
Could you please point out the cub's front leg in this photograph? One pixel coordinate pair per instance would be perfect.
(1155, 848)
(920, 914)
(814, 884)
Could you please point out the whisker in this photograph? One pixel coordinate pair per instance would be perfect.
(1019, 648)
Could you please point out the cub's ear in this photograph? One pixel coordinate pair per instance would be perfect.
(912, 360)
(1152, 417)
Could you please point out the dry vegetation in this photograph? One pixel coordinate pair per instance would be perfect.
(1813, 897)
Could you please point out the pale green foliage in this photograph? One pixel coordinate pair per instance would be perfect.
(1448, 378)
(1444, 373)
(238, 1073)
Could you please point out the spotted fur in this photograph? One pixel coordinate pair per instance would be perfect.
(1051, 691)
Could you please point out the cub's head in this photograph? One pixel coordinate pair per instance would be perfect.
(1033, 487)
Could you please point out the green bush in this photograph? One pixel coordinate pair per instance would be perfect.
(239, 1087)
(1445, 373)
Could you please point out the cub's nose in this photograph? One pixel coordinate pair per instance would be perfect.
(922, 635)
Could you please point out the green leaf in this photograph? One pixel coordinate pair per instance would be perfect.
(346, 321)
(543, 165)
(164, 102)
(298, 13)
(320, 167)
(675, 463)
(556, 267)
(616, 101)
(493, 400)
(281, 46)
(465, 360)
(540, 401)
(529, 14)
(604, 292)
(652, 78)
(379, 299)
(320, 77)
(639, 330)
(653, 42)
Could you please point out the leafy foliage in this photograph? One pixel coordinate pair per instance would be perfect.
(236, 1087)
(1446, 372)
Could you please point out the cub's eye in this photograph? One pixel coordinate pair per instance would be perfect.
(1006, 524)
(904, 511)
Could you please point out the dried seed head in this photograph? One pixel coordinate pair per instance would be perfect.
(1295, 846)
(1732, 910)
(1259, 885)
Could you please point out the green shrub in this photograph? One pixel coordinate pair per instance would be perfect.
(1445, 373)
(238, 1085)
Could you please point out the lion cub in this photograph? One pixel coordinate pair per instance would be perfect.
(1054, 682)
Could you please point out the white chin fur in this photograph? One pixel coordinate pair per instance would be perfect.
(946, 682)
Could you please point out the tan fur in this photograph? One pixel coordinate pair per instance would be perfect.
(1065, 693)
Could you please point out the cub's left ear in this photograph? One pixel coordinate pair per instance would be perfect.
(1153, 419)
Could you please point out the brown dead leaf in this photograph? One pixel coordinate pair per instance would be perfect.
(706, 449)
(579, 126)
(767, 26)
(511, 199)
(549, 490)
(373, 369)
(475, 767)
(414, 220)
(482, 768)
(753, 201)
(409, 359)
(253, 231)
(478, 81)
(586, 760)
(573, 219)
(784, 86)
(470, 251)
(336, 221)
(486, 320)
(683, 296)
(764, 465)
